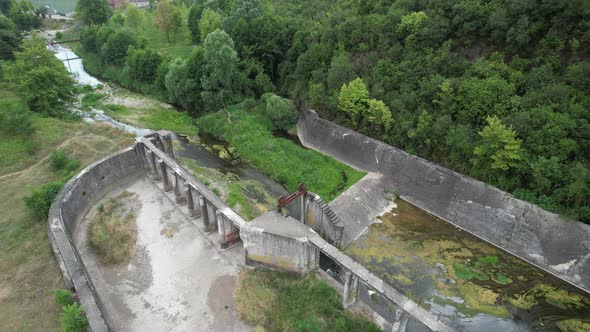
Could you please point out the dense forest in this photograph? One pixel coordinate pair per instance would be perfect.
(495, 89)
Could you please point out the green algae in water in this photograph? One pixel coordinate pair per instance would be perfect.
(573, 325)
(467, 272)
(485, 278)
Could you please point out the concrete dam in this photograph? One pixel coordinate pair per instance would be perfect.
(187, 281)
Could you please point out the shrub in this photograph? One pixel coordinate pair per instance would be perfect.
(115, 49)
(15, 119)
(89, 39)
(72, 318)
(111, 233)
(143, 64)
(41, 198)
(60, 162)
(91, 100)
(280, 111)
(63, 297)
(59, 35)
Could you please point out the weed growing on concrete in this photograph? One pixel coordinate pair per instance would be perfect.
(111, 231)
(72, 318)
(63, 297)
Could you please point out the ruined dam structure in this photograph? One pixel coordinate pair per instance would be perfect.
(558, 246)
(272, 241)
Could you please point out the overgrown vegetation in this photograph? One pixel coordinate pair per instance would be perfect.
(112, 230)
(249, 131)
(495, 90)
(284, 302)
(72, 317)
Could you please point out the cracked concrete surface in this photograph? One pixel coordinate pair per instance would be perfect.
(176, 279)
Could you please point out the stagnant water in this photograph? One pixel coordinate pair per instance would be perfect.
(464, 279)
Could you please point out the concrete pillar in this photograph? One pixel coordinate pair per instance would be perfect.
(205, 215)
(401, 321)
(228, 232)
(302, 208)
(168, 146)
(189, 200)
(153, 166)
(179, 196)
(140, 150)
(351, 282)
(165, 178)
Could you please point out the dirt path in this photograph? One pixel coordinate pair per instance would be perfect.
(77, 136)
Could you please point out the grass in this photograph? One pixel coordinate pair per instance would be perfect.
(286, 162)
(112, 230)
(248, 198)
(29, 273)
(284, 302)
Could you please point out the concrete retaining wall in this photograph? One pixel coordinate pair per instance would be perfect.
(545, 239)
(72, 201)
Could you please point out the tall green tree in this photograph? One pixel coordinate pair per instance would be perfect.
(93, 11)
(9, 38)
(221, 61)
(209, 22)
(353, 99)
(40, 79)
(498, 148)
(168, 18)
(194, 16)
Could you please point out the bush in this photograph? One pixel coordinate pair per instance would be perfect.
(41, 198)
(91, 100)
(63, 297)
(143, 64)
(280, 111)
(89, 39)
(72, 319)
(59, 35)
(15, 119)
(115, 49)
(60, 162)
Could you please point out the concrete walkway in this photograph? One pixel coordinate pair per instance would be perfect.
(176, 279)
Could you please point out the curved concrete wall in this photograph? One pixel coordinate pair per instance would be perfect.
(531, 233)
(73, 200)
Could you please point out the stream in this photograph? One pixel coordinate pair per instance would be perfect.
(201, 156)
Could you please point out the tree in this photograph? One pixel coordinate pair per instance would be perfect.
(143, 64)
(498, 148)
(194, 16)
(221, 61)
(9, 38)
(280, 111)
(478, 98)
(40, 79)
(114, 51)
(341, 71)
(352, 100)
(167, 18)
(93, 11)
(209, 22)
(247, 10)
(183, 81)
(133, 17)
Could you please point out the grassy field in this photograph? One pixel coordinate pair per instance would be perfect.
(286, 162)
(284, 302)
(28, 271)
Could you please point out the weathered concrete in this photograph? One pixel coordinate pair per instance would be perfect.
(176, 280)
(76, 196)
(279, 243)
(542, 238)
(314, 212)
(359, 205)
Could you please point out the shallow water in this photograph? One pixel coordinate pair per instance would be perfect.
(463, 279)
